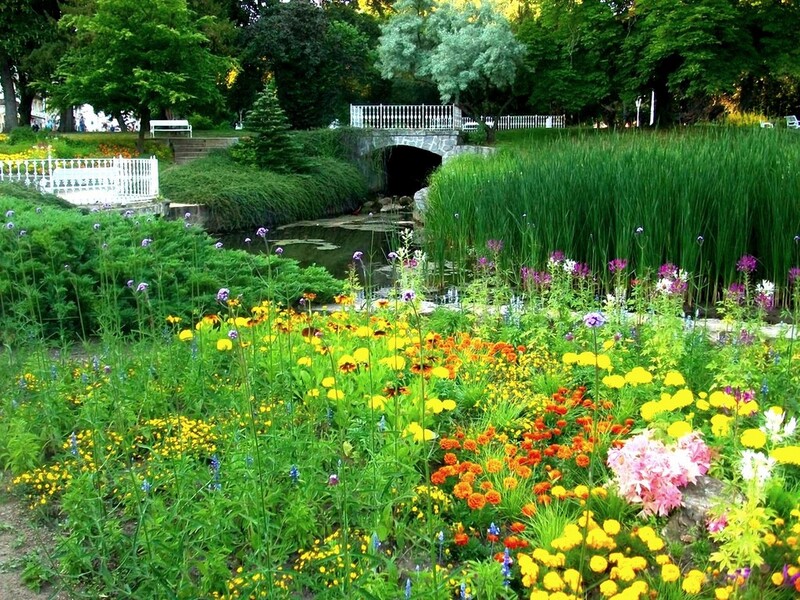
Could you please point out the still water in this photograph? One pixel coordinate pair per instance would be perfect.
(330, 243)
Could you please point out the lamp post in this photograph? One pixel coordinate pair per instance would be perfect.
(638, 106)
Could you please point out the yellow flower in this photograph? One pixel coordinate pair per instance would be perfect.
(335, 394)
(703, 404)
(638, 375)
(614, 381)
(674, 378)
(573, 579)
(608, 588)
(436, 406)
(611, 526)
(604, 362)
(725, 593)
(570, 358)
(720, 399)
(397, 363)
(224, 344)
(328, 382)
(377, 402)
(753, 438)
(185, 335)
(420, 435)
(721, 425)
(777, 579)
(788, 455)
(313, 393)
(553, 582)
(362, 355)
(304, 361)
(441, 372)
(598, 563)
(682, 398)
(679, 429)
(693, 582)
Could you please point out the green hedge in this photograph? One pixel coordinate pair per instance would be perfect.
(66, 273)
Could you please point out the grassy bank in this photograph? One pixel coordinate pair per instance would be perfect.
(702, 200)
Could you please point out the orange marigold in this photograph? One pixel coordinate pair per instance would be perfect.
(470, 444)
(493, 497)
(461, 539)
(487, 485)
(450, 458)
(510, 483)
(518, 527)
(462, 490)
(582, 460)
(494, 466)
(529, 509)
(449, 444)
(476, 501)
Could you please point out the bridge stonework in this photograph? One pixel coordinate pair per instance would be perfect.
(439, 142)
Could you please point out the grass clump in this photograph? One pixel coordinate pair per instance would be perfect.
(241, 197)
(701, 199)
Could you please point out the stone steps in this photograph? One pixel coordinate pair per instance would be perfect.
(188, 149)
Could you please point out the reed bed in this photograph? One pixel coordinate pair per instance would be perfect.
(700, 199)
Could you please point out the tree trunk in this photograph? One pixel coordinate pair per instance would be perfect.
(25, 108)
(144, 125)
(120, 117)
(67, 124)
(9, 94)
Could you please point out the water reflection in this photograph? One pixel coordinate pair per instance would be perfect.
(331, 243)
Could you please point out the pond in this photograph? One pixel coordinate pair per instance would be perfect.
(330, 243)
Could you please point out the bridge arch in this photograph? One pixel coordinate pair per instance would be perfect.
(439, 142)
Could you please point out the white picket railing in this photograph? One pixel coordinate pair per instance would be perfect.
(406, 116)
(81, 181)
(518, 122)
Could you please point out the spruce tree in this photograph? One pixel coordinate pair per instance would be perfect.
(275, 147)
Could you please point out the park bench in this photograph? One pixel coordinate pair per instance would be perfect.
(792, 122)
(169, 126)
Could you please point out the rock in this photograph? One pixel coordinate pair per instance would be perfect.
(686, 522)
(391, 208)
(387, 200)
(421, 200)
(405, 200)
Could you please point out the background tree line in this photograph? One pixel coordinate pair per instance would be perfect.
(589, 59)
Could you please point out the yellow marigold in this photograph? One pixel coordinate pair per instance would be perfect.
(441, 372)
(721, 425)
(377, 402)
(608, 588)
(361, 355)
(553, 582)
(224, 344)
(328, 382)
(650, 409)
(788, 455)
(682, 398)
(693, 582)
(638, 375)
(753, 438)
(720, 399)
(185, 335)
(581, 491)
(398, 363)
(304, 361)
(418, 433)
(528, 568)
(674, 378)
(646, 533)
(670, 573)
(604, 362)
(702, 404)
(611, 526)
(570, 358)
(614, 381)
(335, 394)
(777, 579)
(573, 579)
(598, 563)
(679, 429)
(539, 595)
(558, 492)
(725, 593)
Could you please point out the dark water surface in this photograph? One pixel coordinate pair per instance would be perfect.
(330, 243)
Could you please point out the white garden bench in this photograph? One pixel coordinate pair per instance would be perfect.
(169, 126)
(792, 122)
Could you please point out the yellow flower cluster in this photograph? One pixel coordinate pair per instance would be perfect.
(439, 501)
(252, 587)
(667, 403)
(176, 436)
(326, 560)
(514, 381)
(588, 359)
(45, 483)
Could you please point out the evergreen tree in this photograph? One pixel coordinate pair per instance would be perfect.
(274, 147)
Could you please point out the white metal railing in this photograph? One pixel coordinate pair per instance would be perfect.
(81, 181)
(518, 122)
(406, 116)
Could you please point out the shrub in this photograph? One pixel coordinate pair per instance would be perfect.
(69, 272)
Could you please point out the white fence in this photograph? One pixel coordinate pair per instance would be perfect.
(518, 122)
(82, 181)
(406, 116)
(436, 116)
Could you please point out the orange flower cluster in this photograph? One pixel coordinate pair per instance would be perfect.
(561, 440)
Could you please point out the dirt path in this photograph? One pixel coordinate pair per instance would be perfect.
(18, 539)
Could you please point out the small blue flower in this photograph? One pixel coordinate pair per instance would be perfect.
(382, 424)
(146, 486)
(376, 542)
(408, 588)
(294, 473)
(73, 444)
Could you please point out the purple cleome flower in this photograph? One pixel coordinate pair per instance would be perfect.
(130, 283)
(23, 232)
(594, 320)
(639, 230)
(747, 264)
(794, 275)
(392, 256)
(142, 287)
(247, 240)
(146, 242)
(9, 214)
(278, 250)
(408, 295)
(333, 479)
(218, 245)
(618, 264)
(9, 225)
(358, 255)
(262, 232)
(233, 334)
(495, 245)
(223, 294)
(96, 226)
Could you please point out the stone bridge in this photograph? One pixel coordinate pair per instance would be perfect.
(441, 142)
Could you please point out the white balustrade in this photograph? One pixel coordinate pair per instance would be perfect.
(438, 117)
(83, 181)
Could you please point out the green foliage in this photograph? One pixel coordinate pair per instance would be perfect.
(240, 197)
(72, 273)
